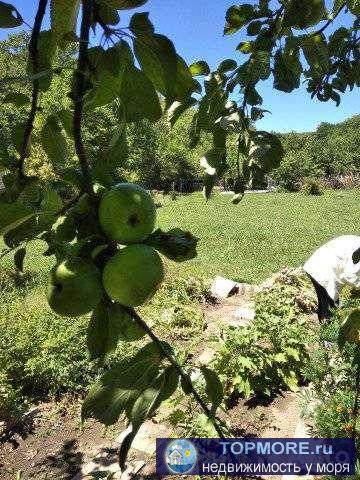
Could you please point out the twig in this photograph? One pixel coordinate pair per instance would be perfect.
(329, 22)
(80, 86)
(184, 376)
(33, 52)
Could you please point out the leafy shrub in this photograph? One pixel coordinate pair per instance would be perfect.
(333, 416)
(42, 354)
(311, 187)
(264, 357)
(271, 353)
(176, 307)
(12, 403)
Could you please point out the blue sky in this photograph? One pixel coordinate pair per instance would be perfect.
(196, 28)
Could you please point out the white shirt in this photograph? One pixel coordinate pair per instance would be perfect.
(332, 265)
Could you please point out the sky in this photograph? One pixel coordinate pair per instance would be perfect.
(196, 28)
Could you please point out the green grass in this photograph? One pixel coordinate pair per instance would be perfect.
(247, 242)
(262, 234)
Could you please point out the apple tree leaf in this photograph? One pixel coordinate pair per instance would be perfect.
(214, 389)
(18, 99)
(12, 215)
(176, 244)
(124, 4)
(63, 14)
(157, 57)
(199, 68)
(118, 389)
(109, 324)
(53, 141)
(9, 16)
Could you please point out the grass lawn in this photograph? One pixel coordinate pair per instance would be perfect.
(262, 234)
(249, 241)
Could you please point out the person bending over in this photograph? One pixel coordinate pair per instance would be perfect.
(332, 266)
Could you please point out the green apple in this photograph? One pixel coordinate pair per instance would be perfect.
(74, 287)
(127, 213)
(133, 275)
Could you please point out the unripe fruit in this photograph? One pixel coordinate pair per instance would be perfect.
(127, 213)
(74, 287)
(133, 275)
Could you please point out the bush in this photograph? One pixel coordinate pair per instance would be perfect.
(333, 416)
(43, 355)
(12, 403)
(272, 352)
(311, 187)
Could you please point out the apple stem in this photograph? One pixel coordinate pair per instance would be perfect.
(78, 96)
(186, 378)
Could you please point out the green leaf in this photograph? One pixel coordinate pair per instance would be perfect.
(157, 57)
(17, 135)
(175, 244)
(356, 256)
(13, 215)
(350, 329)
(287, 71)
(19, 257)
(254, 28)
(177, 108)
(18, 99)
(186, 386)
(138, 97)
(119, 388)
(169, 381)
(66, 119)
(9, 16)
(51, 202)
(265, 150)
(46, 51)
(199, 68)
(124, 4)
(108, 15)
(185, 84)
(114, 156)
(316, 53)
(354, 7)
(255, 69)
(109, 324)
(227, 65)
(237, 16)
(53, 141)
(303, 14)
(280, 357)
(141, 25)
(214, 389)
(143, 406)
(63, 15)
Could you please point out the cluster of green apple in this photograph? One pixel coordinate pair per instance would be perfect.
(131, 276)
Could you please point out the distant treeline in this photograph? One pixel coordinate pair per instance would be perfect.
(333, 150)
(156, 155)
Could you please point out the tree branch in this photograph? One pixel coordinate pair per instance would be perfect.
(184, 375)
(80, 88)
(33, 53)
(329, 22)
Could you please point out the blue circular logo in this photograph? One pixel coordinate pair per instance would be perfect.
(180, 456)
